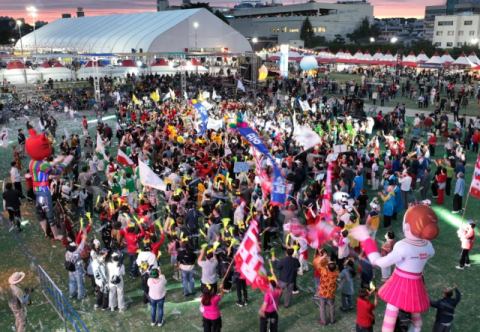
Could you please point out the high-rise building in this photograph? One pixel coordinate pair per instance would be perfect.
(451, 7)
(162, 5)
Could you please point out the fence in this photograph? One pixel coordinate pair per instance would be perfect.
(52, 293)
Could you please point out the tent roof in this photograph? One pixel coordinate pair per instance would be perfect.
(447, 57)
(163, 31)
(378, 55)
(45, 65)
(388, 56)
(128, 63)
(161, 62)
(463, 60)
(90, 64)
(422, 56)
(15, 65)
(435, 59)
(473, 57)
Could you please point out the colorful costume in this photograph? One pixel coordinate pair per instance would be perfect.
(38, 148)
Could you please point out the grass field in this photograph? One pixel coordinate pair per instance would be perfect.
(183, 315)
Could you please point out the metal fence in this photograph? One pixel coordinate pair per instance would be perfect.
(52, 293)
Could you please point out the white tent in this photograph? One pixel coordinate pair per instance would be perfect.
(422, 57)
(193, 66)
(127, 67)
(86, 71)
(367, 56)
(435, 59)
(330, 55)
(340, 53)
(292, 56)
(388, 57)
(473, 58)
(358, 55)
(446, 58)
(463, 61)
(378, 56)
(55, 72)
(347, 55)
(164, 31)
(410, 57)
(161, 66)
(18, 73)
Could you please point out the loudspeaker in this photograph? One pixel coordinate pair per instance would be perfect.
(219, 59)
(141, 50)
(202, 59)
(234, 59)
(157, 60)
(247, 58)
(29, 63)
(246, 71)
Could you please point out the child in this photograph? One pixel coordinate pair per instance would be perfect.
(172, 250)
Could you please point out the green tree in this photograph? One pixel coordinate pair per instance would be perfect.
(206, 5)
(306, 32)
(338, 39)
(364, 32)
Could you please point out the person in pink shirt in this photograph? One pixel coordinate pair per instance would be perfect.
(212, 319)
(269, 310)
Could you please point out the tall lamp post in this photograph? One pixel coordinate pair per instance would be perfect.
(19, 23)
(32, 11)
(195, 25)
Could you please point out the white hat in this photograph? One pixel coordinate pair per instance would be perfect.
(427, 201)
(16, 278)
(72, 244)
(96, 242)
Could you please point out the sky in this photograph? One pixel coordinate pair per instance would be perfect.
(49, 10)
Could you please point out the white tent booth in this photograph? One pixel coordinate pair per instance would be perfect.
(54, 70)
(193, 66)
(88, 70)
(161, 67)
(127, 67)
(18, 73)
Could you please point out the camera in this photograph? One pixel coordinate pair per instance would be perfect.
(29, 290)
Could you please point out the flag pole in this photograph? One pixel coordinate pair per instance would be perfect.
(228, 270)
(464, 210)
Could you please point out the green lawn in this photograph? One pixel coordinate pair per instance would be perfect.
(183, 315)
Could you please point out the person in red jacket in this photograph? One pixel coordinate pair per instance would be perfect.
(476, 140)
(132, 246)
(467, 237)
(365, 315)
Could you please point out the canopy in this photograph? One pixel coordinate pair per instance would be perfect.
(18, 73)
(358, 55)
(410, 57)
(292, 56)
(422, 57)
(378, 56)
(57, 72)
(473, 58)
(340, 53)
(367, 56)
(447, 58)
(388, 57)
(435, 59)
(461, 63)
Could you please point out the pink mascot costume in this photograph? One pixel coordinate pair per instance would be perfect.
(405, 289)
(39, 149)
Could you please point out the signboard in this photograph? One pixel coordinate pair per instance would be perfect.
(429, 66)
(340, 148)
(240, 167)
(284, 60)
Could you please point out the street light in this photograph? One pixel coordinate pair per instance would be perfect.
(32, 11)
(254, 40)
(474, 41)
(394, 40)
(372, 39)
(19, 23)
(195, 25)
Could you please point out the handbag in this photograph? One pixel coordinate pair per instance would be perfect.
(442, 185)
(70, 266)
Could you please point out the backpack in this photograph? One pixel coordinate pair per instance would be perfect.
(69, 266)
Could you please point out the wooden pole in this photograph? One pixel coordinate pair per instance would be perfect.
(464, 210)
(228, 270)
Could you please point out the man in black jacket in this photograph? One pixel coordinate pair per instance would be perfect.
(186, 262)
(288, 267)
(445, 309)
(191, 220)
(12, 204)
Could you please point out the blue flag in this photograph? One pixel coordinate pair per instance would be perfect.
(204, 114)
(279, 195)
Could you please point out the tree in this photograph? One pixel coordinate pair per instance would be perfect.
(365, 31)
(338, 39)
(306, 32)
(206, 5)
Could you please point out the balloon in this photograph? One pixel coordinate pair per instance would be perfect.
(180, 140)
(308, 63)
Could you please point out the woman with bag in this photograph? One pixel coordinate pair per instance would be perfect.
(157, 292)
(212, 319)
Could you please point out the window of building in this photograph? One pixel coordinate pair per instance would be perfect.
(322, 29)
(460, 33)
(459, 44)
(284, 29)
(438, 44)
(450, 33)
(445, 23)
(471, 33)
(449, 44)
(467, 23)
(274, 30)
(293, 30)
(439, 33)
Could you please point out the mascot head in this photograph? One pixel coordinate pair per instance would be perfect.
(420, 222)
(38, 146)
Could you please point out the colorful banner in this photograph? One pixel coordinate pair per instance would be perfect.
(284, 49)
(475, 186)
(278, 195)
(204, 115)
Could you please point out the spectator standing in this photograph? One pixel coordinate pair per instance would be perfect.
(365, 316)
(288, 267)
(326, 291)
(445, 309)
(157, 293)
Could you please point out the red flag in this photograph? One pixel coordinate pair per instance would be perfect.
(475, 186)
(249, 263)
(124, 160)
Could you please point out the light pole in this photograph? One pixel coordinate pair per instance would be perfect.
(195, 25)
(372, 40)
(32, 11)
(19, 23)
(394, 40)
(254, 41)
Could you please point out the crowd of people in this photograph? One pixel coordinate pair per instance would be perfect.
(207, 207)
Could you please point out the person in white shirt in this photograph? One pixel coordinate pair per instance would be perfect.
(416, 120)
(343, 250)
(15, 177)
(406, 181)
(116, 271)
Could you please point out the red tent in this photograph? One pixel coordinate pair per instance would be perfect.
(58, 65)
(90, 64)
(161, 62)
(16, 65)
(128, 63)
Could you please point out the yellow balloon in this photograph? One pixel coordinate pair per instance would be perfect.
(180, 139)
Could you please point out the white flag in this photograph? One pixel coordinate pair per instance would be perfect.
(149, 178)
(206, 95)
(166, 96)
(214, 124)
(304, 105)
(307, 137)
(227, 149)
(214, 95)
(240, 85)
(4, 137)
(100, 148)
(314, 108)
(185, 95)
(207, 105)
